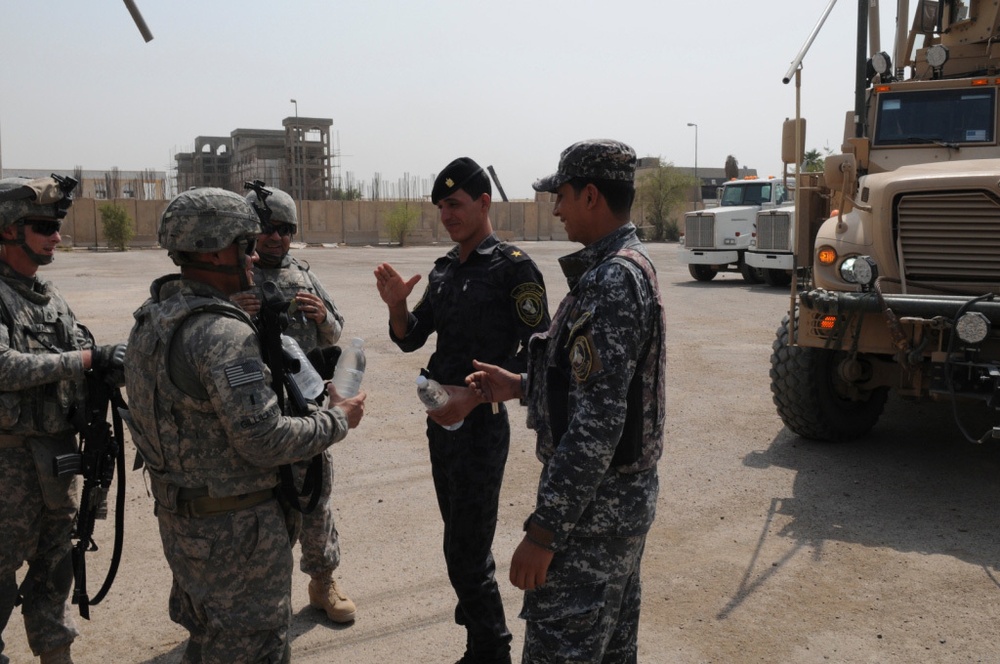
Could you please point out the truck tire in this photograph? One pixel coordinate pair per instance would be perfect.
(804, 386)
(751, 274)
(702, 272)
(777, 278)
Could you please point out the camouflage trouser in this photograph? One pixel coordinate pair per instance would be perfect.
(319, 539)
(588, 610)
(467, 466)
(231, 584)
(37, 529)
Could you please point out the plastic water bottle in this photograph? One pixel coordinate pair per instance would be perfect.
(306, 378)
(350, 369)
(434, 396)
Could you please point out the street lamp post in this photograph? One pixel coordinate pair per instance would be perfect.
(695, 125)
(296, 188)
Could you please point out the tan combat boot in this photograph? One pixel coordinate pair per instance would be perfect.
(325, 595)
(57, 656)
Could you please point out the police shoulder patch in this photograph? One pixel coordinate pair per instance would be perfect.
(583, 358)
(528, 300)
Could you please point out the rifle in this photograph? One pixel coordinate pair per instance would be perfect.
(101, 450)
(272, 320)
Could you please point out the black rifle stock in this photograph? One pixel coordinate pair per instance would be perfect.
(101, 451)
(272, 320)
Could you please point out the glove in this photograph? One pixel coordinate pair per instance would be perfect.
(108, 358)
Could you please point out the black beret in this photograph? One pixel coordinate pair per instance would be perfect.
(454, 177)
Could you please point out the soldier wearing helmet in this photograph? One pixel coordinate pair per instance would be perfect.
(316, 325)
(210, 431)
(44, 352)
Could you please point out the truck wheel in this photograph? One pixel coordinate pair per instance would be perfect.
(751, 274)
(702, 272)
(777, 278)
(811, 398)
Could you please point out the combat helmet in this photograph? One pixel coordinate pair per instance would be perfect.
(206, 219)
(281, 205)
(22, 199)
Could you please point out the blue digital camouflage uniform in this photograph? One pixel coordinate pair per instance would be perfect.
(319, 538)
(41, 382)
(208, 427)
(595, 396)
(485, 308)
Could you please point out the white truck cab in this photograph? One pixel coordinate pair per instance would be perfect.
(717, 239)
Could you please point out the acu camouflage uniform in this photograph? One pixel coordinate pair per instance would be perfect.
(596, 398)
(41, 383)
(485, 308)
(208, 426)
(318, 537)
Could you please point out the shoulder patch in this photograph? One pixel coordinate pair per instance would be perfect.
(528, 300)
(582, 359)
(244, 373)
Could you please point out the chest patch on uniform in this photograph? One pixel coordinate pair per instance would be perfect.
(244, 373)
(529, 303)
(582, 359)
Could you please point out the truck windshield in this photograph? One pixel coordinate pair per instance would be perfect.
(746, 193)
(949, 117)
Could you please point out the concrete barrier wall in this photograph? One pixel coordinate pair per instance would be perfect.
(334, 222)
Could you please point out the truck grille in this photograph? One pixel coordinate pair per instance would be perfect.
(773, 231)
(950, 237)
(699, 231)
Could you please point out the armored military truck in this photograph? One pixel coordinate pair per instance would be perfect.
(897, 245)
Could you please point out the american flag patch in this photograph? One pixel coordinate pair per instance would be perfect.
(243, 373)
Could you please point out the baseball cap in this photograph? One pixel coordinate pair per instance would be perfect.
(597, 159)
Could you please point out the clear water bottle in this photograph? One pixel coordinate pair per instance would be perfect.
(434, 396)
(350, 369)
(306, 378)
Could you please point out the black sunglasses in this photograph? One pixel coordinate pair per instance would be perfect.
(283, 230)
(248, 244)
(44, 227)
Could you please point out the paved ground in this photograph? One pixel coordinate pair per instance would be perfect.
(767, 548)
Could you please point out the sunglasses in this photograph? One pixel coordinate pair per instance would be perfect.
(283, 230)
(45, 227)
(248, 244)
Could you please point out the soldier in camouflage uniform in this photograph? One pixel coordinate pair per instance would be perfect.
(44, 353)
(484, 299)
(595, 396)
(316, 324)
(210, 431)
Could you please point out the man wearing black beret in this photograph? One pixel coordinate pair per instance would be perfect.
(484, 299)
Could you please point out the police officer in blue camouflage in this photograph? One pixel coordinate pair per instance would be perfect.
(484, 299)
(210, 431)
(317, 323)
(596, 398)
(44, 353)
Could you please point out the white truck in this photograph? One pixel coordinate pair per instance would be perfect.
(771, 248)
(716, 239)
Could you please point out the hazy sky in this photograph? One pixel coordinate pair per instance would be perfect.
(412, 85)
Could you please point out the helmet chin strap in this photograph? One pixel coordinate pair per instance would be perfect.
(37, 259)
(270, 260)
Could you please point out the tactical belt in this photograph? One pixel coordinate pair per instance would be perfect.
(7, 441)
(196, 503)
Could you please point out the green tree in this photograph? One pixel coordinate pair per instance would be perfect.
(401, 221)
(659, 190)
(118, 226)
(814, 160)
(732, 168)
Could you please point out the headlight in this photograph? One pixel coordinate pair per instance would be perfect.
(860, 270)
(973, 327)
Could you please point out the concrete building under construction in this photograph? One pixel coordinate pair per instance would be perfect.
(298, 159)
